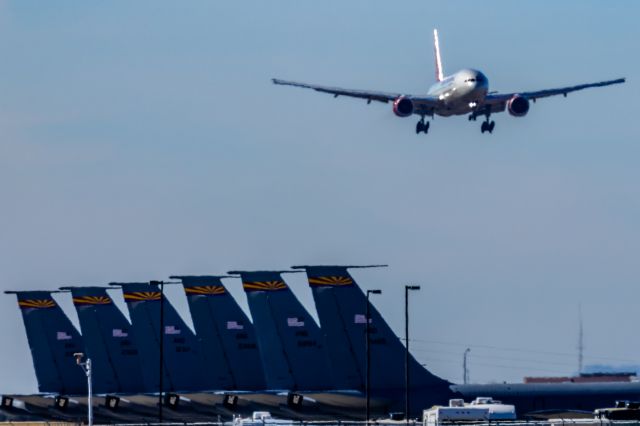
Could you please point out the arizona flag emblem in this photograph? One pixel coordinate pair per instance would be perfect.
(264, 285)
(137, 296)
(208, 290)
(92, 300)
(331, 281)
(36, 303)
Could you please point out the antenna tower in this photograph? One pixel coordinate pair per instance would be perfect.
(465, 367)
(580, 341)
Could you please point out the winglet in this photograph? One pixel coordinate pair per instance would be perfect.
(436, 46)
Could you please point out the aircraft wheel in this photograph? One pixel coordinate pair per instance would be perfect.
(425, 129)
(491, 126)
(419, 127)
(483, 127)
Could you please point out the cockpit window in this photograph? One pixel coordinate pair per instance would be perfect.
(479, 78)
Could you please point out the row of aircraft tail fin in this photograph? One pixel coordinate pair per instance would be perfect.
(282, 349)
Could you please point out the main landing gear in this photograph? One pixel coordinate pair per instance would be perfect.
(422, 126)
(487, 126)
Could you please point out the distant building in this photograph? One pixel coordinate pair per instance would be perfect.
(586, 378)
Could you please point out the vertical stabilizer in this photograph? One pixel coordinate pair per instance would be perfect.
(109, 340)
(228, 338)
(182, 359)
(436, 47)
(290, 342)
(342, 307)
(336, 328)
(53, 340)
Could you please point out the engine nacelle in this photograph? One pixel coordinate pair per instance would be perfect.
(403, 107)
(518, 106)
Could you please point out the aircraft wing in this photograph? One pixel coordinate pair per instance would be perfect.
(337, 91)
(499, 98)
(421, 104)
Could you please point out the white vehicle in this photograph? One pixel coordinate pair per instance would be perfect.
(480, 410)
(259, 418)
(497, 410)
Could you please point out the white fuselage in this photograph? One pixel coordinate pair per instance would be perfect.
(460, 93)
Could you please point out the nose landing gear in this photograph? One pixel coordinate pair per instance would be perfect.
(422, 126)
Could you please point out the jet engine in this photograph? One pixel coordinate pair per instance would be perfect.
(403, 107)
(518, 106)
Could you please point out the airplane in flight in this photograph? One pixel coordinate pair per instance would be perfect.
(462, 93)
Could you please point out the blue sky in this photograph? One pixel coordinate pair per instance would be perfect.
(145, 139)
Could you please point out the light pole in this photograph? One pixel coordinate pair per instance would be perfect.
(161, 366)
(368, 349)
(162, 331)
(407, 288)
(86, 367)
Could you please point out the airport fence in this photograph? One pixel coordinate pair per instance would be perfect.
(550, 422)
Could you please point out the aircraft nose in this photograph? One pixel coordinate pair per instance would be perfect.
(476, 81)
(481, 81)
(477, 85)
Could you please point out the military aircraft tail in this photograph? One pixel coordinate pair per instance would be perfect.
(290, 342)
(342, 307)
(228, 337)
(183, 366)
(109, 341)
(53, 340)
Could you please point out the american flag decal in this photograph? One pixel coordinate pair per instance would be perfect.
(361, 319)
(92, 300)
(234, 325)
(172, 329)
(117, 332)
(137, 296)
(37, 303)
(205, 289)
(62, 335)
(264, 285)
(330, 281)
(295, 322)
